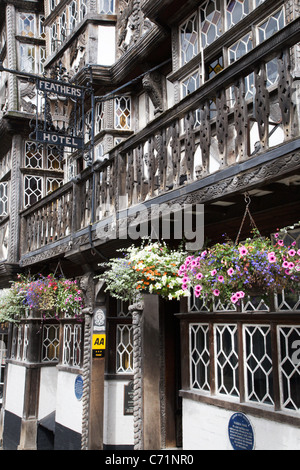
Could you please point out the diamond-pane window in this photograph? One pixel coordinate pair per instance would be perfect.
(107, 7)
(226, 356)
(27, 25)
(50, 347)
(211, 22)
(27, 58)
(124, 348)
(289, 343)
(33, 155)
(236, 10)
(3, 198)
(199, 357)
(73, 15)
(189, 39)
(32, 189)
(259, 374)
(54, 160)
(122, 112)
(273, 24)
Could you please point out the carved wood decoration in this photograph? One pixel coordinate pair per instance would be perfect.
(240, 120)
(262, 110)
(205, 137)
(152, 83)
(222, 124)
(284, 92)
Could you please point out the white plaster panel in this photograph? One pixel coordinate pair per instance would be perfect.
(106, 45)
(205, 427)
(68, 407)
(118, 428)
(48, 385)
(15, 387)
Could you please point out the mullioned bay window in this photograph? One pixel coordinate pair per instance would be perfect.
(199, 33)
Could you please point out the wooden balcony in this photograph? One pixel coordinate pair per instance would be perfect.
(212, 144)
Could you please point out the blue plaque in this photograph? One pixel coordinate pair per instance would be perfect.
(240, 432)
(78, 387)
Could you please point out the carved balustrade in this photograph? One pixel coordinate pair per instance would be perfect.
(237, 115)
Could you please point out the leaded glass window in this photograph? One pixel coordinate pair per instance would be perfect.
(199, 357)
(73, 15)
(258, 358)
(289, 346)
(226, 354)
(3, 199)
(273, 24)
(50, 345)
(107, 7)
(236, 10)
(189, 39)
(124, 348)
(122, 112)
(33, 155)
(33, 189)
(27, 26)
(211, 22)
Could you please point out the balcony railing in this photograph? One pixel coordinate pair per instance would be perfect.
(210, 130)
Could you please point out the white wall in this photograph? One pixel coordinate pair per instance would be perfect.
(68, 407)
(15, 387)
(48, 385)
(205, 427)
(118, 428)
(106, 45)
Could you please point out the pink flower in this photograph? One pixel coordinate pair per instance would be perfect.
(199, 276)
(184, 287)
(240, 294)
(216, 292)
(298, 252)
(285, 264)
(213, 272)
(280, 242)
(234, 298)
(243, 250)
(230, 271)
(292, 252)
(272, 257)
(198, 288)
(220, 278)
(291, 265)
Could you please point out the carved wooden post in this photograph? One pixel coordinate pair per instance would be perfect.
(147, 374)
(28, 435)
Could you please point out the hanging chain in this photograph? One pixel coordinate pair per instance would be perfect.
(247, 211)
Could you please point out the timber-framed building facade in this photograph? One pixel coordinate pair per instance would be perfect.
(187, 103)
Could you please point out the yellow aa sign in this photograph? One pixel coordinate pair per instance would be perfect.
(98, 341)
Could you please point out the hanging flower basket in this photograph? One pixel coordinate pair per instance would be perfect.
(48, 295)
(228, 271)
(151, 268)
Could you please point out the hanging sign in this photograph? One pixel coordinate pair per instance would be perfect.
(98, 345)
(59, 139)
(63, 89)
(240, 432)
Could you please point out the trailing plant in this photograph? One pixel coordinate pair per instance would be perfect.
(151, 268)
(47, 294)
